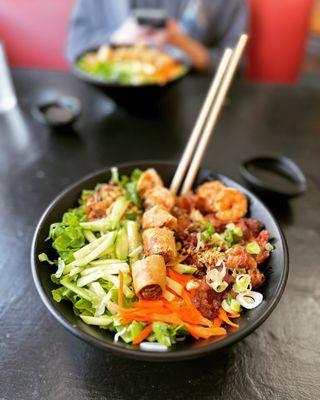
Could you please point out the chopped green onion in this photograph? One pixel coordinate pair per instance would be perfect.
(215, 275)
(253, 248)
(250, 300)
(238, 232)
(233, 307)
(219, 287)
(132, 215)
(242, 283)
(269, 247)
(230, 226)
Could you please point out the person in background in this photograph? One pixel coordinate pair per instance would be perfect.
(202, 29)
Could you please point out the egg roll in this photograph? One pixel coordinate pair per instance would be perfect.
(158, 217)
(148, 180)
(149, 277)
(159, 196)
(159, 241)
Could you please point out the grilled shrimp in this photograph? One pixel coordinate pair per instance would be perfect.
(208, 192)
(230, 204)
(148, 180)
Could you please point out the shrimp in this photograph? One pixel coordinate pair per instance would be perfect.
(148, 180)
(208, 192)
(230, 204)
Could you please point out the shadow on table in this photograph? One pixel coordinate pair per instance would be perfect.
(131, 379)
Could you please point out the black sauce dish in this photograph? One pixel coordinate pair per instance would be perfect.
(272, 289)
(58, 113)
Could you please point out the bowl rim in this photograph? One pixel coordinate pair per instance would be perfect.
(81, 74)
(156, 356)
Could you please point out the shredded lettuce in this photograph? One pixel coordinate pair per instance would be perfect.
(44, 258)
(129, 184)
(130, 331)
(165, 333)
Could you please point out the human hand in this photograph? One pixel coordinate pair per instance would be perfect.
(130, 32)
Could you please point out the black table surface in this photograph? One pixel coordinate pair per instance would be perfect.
(39, 359)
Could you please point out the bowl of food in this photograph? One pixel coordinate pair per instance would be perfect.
(131, 74)
(126, 266)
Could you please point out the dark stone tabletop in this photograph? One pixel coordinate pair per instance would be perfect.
(39, 359)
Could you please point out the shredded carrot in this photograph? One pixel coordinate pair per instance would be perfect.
(205, 333)
(120, 293)
(143, 334)
(180, 278)
(181, 311)
(224, 317)
(147, 303)
(233, 315)
(217, 322)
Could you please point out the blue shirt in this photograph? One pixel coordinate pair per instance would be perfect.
(215, 23)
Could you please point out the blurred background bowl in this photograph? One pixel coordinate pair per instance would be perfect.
(132, 97)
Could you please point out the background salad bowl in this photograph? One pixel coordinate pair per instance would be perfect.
(272, 289)
(128, 95)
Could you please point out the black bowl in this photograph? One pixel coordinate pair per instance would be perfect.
(249, 321)
(133, 97)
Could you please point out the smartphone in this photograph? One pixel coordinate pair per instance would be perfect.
(151, 17)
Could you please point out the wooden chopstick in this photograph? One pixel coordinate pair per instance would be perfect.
(213, 116)
(198, 127)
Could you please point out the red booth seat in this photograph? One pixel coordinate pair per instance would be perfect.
(34, 32)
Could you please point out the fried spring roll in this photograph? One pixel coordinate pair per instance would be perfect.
(149, 277)
(159, 196)
(159, 241)
(158, 217)
(148, 180)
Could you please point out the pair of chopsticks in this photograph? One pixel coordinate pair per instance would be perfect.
(207, 119)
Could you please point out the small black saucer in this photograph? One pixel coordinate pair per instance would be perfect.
(58, 113)
(274, 175)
